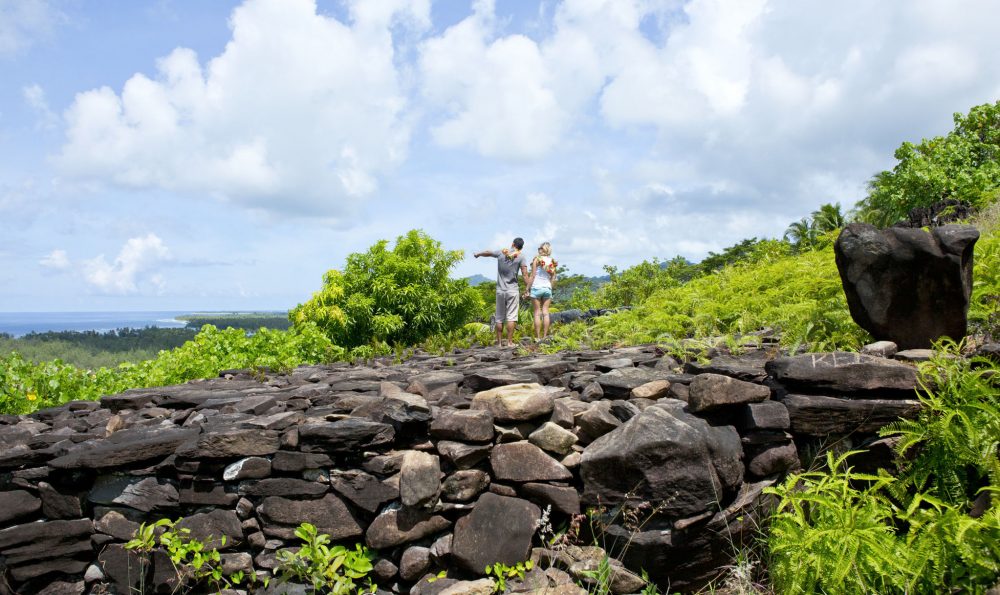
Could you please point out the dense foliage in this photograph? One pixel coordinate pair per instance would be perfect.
(388, 297)
(964, 164)
(91, 349)
(934, 528)
(797, 294)
(27, 386)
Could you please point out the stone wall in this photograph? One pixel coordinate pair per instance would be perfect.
(436, 463)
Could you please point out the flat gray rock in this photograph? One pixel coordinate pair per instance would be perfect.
(843, 371)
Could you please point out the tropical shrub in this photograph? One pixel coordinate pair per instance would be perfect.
(328, 569)
(193, 560)
(398, 296)
(633, 285)
(964, 164)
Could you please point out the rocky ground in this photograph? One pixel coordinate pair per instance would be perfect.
(439, 463)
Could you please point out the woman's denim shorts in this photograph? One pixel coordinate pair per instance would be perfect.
(541, 293)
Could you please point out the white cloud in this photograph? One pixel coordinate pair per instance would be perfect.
(299, 113)
(34, 96)
(57, 259)
(495, 95)
(537, 204)
(134, 263)
(23, 22)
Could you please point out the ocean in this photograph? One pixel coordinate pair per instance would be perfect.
(22, 323)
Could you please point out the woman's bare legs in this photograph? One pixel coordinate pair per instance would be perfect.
(538, 317)
(545, 316)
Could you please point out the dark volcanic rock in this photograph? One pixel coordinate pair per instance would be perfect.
(499, 529)
(475, 425)
(328, 514)
(419, 478)
(248, 468)
(664, 456)
(56, 505)
(126, 447)
(35, 549)
(769, 415)
(147, 495)
(351, 435)
(908, 286)
(749, 367)
(485, 379)
(464, 485)
(285, 461)
(283, 486)
(816, 415)
(363, 490)
(712, 391)
(564, 500)
(523, 462)
(398, 526)
(843, 371)
(776, 458)
(462, 455)
(17, 504)
(211, 527)
(231, 443)
(618, 383)
(434, 385)
(124, 568)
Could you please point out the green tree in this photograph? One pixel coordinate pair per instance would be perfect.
(828, 218)
(396, 296)
(964, 164)
(738, 252)
(633, 285)
(801, 234)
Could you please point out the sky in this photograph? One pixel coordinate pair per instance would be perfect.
(191, 155)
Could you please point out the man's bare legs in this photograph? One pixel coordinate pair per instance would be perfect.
(511, 324)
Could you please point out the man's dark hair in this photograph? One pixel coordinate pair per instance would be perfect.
(518, 243)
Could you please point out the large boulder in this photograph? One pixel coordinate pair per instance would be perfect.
(908, 286)
(667, 457)
(499, 529)
(516, 402)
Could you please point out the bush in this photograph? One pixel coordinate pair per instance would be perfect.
(399, 296)
(964, 164)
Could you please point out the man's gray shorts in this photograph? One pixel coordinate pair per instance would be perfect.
(507, 305)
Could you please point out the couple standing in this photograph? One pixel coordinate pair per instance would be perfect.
(539, 285)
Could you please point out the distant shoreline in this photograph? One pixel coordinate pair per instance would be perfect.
(18, 324)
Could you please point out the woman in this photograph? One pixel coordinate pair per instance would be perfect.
(540, 284)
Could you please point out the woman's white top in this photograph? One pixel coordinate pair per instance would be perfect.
(542, 276)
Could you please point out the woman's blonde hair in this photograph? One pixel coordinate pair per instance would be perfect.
(545, 249)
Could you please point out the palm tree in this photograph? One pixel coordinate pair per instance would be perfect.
(802, 233)
(828, 218)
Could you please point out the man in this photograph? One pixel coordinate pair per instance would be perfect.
(509, 262)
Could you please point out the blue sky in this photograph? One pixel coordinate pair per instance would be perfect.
(222, 155)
